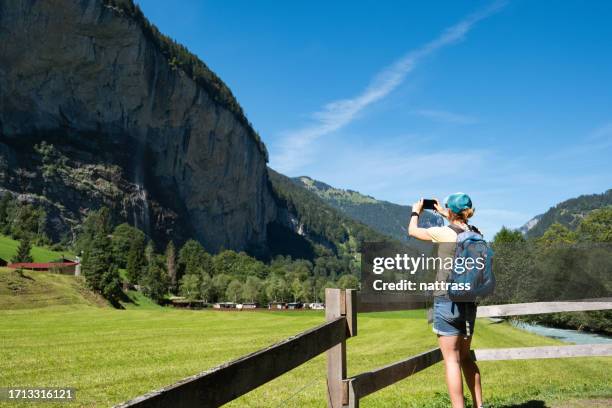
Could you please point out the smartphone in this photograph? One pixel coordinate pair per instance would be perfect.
(429, 204)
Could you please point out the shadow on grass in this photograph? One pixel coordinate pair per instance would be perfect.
(527, 404)
(121, 299)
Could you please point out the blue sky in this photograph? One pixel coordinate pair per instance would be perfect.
(510, 102)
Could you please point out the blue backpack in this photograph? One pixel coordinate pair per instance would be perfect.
(476, 269)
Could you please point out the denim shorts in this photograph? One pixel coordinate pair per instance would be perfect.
(453, 319)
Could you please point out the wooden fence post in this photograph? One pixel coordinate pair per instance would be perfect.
(353, 398)
(350, 311)
(339, 303)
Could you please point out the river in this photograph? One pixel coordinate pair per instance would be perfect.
(565, 335)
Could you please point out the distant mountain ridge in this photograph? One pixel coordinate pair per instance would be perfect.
(569, 213)
(385, 217)
(528, 226)
(320, 227)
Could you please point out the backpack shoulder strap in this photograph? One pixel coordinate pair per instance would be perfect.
(474, 229)
(455, 228)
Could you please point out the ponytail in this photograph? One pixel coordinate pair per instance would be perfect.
(463, 215)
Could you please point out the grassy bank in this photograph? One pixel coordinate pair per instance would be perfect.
(35, 290)
(111, 355)
(8, 248)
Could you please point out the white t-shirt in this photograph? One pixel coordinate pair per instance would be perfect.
(442, 234)
(447, 237)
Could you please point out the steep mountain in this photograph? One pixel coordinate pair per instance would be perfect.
(97, 107)
(528, 226)
(385, 217)
(321, 227)
(568, 213)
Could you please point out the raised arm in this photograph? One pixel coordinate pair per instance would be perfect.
(413, 225)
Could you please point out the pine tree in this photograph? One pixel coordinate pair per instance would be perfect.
(110, 284)
(149, 252)
(96, 222)
(135, 261)
(123, 236)
(171, 264)
(99, 267)
(154, 280)
(23, 252)
(4, 206)
(97, 260)
(25, 222)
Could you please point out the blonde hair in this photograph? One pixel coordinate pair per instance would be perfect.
(463, 215)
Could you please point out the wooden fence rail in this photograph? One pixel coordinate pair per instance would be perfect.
(227, 382)
(529, 353)
(372, 381)
(364, 384)
(521, 309)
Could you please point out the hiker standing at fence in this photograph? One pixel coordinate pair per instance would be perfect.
(453, 322)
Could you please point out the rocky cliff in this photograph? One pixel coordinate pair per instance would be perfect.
(96, 110)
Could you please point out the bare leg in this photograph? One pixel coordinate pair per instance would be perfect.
(450, 347)
(471, 371)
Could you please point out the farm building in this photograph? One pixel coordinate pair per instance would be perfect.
(190, 304)
(277, 305)
(224, 305)
(316, 306)
(295, 305)
(248, 305)
(63, 266)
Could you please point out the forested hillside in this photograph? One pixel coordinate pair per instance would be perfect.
(561, 264)
(327, 229)
(387, 218)
(568, 213)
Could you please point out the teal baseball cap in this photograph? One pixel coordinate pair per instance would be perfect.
(457, 202)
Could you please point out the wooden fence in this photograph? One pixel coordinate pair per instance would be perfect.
(227, 382)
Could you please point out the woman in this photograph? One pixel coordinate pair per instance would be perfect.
(453, 322)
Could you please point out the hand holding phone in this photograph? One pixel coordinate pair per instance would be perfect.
(429, 204)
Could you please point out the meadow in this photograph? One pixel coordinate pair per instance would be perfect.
(8, 248)
(112, 355)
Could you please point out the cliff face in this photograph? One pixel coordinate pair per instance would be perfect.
(124, 127)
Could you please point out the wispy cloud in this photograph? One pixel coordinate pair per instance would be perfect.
(445, 116)
(395, 171)
(293, 149)
(599, 140)
(604, 131)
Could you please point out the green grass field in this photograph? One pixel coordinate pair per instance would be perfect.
(8, 248)
(112, 355)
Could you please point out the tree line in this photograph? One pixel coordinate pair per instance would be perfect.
(112, 255)
(23, 221)
(194, 273)
(562, 264)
